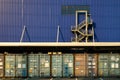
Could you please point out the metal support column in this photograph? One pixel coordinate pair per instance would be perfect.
(86, 20)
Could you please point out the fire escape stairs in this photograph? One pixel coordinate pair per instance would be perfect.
(79, 29)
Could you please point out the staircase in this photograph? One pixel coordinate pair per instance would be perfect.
(83, 31)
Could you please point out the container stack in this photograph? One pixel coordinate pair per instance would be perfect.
(59, 65)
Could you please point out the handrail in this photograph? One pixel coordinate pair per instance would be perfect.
(82, 23)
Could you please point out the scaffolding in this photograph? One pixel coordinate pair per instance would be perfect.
(83, 31)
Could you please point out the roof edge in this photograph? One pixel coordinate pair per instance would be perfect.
(59, 44)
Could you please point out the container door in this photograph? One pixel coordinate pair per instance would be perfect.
(103, 64)
(114, 65)
(44, 65)
(92, 64)
(1, 65)
(80, 65)
(33, 63)
(21, 70)
(57, 65)
(67, 65)
(10, 65)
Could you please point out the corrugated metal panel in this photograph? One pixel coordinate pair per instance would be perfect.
(67, 65)
(103, 64)
(10, 65)
(21, 65)
(57, 65)
(109, 64)
(33, 65)
(42, 17)
(44, 65)
(80, 65)
(114, 65)
(1, 65)
(92, 64)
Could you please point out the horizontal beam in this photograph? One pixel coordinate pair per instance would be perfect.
(60, 44)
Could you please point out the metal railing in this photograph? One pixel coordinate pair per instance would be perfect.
(81, 25)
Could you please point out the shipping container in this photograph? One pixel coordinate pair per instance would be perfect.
(114, 64)
(10, 65)
(33, 65)
(21, 63)
(91, 65)
(44, 65)
(80, 65)
(103, 64)
(109, 65)
(57, 65)
(1, 65)
(67, 65)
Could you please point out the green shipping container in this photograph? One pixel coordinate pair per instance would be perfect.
(21, 63)
(57, 65)
(109, 64)
(114, 64)
(33, 65)
(103, 64)
(44, 65)
(10, 65)
(67, 65)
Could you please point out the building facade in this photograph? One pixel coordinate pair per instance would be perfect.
(42, 17)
